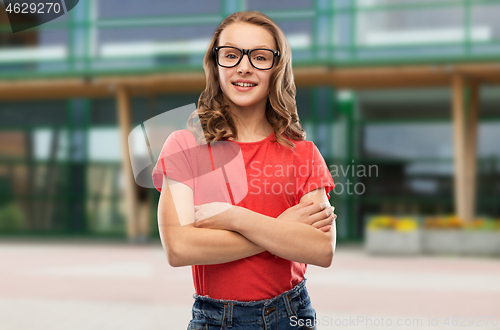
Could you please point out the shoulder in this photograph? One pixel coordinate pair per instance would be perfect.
(303, 147)
(178, 140)
(184, 137)
(306, 150)
(181, 134)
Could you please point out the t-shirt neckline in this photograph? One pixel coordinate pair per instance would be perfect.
(254, 142)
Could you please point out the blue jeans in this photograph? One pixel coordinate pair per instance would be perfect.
(290, 310)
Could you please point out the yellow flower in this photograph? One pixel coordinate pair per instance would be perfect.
(406, 224)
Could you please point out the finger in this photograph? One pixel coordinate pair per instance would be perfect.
(199, 207)
(202, 223)
(318, 207)
(299, 206)
(326, 228)
(324, 222)
(303, 204)
(322, 215)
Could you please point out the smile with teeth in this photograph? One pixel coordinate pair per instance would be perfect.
(244, 84)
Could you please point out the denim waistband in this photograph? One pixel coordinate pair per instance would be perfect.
(215, 311)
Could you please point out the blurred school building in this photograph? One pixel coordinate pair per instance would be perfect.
(401, 97)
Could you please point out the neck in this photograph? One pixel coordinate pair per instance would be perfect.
(251, 121)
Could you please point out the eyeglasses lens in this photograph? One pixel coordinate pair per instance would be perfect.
(260, 58)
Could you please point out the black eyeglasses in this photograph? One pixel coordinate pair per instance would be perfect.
(260, 58)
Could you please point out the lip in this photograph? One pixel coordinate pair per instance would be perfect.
(243, 89)
(244, 81)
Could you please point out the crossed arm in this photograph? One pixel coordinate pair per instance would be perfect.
(236, 233)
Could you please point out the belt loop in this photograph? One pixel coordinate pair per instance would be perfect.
(228, 314)
(288, 304)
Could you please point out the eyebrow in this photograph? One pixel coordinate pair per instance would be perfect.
(260, 46)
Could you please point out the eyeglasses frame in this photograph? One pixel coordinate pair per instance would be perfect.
(244, 52)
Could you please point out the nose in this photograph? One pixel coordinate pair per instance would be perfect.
(245, 66)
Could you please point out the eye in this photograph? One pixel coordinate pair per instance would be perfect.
(260, 58)
(231, 56)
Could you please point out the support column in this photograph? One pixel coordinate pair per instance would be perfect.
(471, 147)
(124, 118)
(465, 113)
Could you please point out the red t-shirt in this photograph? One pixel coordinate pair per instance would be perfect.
(262, 176)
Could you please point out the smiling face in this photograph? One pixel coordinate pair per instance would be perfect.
(246, 36)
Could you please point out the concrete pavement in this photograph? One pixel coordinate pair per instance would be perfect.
(87, 285)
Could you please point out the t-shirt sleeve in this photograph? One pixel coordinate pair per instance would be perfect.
(175, 162)
(319, 175)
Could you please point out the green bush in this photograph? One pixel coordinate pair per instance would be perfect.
(12, 218)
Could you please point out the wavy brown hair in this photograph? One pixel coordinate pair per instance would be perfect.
(281, 109)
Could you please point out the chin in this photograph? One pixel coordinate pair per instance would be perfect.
(240, 100)
(244, 103)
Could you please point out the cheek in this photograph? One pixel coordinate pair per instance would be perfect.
(223, 78)
(266, 80)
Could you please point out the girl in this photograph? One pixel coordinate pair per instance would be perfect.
(250, 245)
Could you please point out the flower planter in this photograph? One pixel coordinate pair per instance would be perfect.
(442, 241)
(392, 242)
(384, 235)
(481, 243)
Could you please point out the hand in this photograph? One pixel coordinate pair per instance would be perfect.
(212, 215)
(208, 210)
(320, 216)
